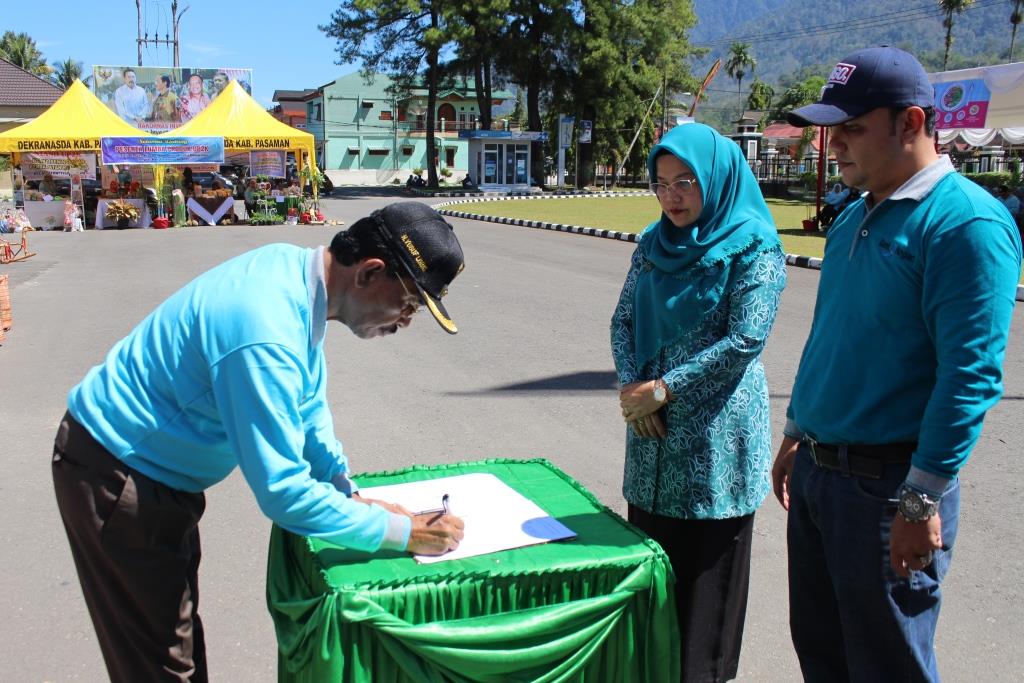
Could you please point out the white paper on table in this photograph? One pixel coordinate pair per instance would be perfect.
(497, 517)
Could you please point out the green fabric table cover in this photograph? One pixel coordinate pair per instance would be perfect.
(599, 607)
(290, 202)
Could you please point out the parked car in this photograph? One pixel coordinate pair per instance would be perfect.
(206, 178)
(326, 186)
(90, 188)
(236, 173)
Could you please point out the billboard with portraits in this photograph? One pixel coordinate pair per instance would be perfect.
(159, 98)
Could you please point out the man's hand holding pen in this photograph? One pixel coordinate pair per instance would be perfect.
(435, 532)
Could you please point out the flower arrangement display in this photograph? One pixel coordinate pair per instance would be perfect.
(311, 214)
(121, 210)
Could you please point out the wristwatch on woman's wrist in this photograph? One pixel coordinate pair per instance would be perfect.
(660, 391)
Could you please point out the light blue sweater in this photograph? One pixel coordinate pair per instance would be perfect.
(910, 324)
(230, 371)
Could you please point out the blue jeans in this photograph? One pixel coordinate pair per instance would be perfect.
(852, 617)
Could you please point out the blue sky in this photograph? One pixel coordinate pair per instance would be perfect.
(278, 40)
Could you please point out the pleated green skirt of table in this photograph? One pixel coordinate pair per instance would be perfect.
(599, 607)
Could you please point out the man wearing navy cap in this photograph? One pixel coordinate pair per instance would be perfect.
(903, 360)
(230, 372)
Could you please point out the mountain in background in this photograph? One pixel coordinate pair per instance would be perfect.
(788, 37)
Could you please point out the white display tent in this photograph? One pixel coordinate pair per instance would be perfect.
(1005, 116)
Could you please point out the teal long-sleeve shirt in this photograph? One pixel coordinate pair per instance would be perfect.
(230, 371)
(911, 323)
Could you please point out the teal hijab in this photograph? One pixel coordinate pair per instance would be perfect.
(689, 268)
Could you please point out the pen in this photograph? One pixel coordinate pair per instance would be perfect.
(439, 512)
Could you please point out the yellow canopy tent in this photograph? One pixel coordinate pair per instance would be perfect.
(74, 123)
(246, 126)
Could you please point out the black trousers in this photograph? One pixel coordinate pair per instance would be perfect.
(711, 560)
(135, 543)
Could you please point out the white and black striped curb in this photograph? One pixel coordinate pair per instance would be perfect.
(791, 259)
(512, 194)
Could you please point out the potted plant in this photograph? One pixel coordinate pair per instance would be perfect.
(122, 213)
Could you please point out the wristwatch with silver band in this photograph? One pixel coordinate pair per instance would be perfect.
(915, 506)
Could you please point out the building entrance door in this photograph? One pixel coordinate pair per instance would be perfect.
(446, 113)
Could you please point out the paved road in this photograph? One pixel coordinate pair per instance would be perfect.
(529, 375)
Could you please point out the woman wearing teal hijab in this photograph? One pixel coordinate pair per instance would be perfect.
(694, 314)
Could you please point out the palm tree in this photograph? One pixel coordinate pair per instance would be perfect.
(19, 49)
(739, 63)
(67, 72)
(1014, 20)
(949, 8)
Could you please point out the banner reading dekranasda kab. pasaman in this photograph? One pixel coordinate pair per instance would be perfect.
(161, 98)
(257, 143)
(160, 150)
(59, 145)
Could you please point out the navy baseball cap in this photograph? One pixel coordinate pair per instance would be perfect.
(865, 80)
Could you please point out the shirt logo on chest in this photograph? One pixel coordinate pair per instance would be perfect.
(889, 249)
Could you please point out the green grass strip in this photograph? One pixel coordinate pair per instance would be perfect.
(634, 213)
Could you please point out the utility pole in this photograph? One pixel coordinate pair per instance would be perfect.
(633, 142)
(138, 40)
(144, 39)
(664, 103)
(176, 18)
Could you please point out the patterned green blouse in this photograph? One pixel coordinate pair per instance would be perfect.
(715, 462)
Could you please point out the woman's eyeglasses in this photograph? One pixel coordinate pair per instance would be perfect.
(677, 187)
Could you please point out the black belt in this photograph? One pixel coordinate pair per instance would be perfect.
(862, 460)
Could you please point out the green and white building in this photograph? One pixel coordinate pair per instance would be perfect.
(366, 136)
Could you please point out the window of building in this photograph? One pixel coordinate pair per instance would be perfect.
(385, 115)
(407, 151)
(377, 152)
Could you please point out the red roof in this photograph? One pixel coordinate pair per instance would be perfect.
(19, 88)
(780, 129)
